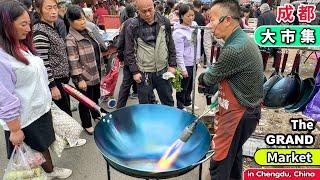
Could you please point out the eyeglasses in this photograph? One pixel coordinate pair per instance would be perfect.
(222, 18)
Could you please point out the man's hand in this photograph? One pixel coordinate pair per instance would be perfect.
(82, 85)
(137, 77)
(55, 93)
(172, 70)
(16, 137)
(185, 74)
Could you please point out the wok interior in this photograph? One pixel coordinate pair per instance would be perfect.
(136, 137)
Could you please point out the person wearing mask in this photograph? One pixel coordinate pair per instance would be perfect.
(239, 72)
(150, 52)
(52, 49)
(182, 36)
(84, 58)
(25, 98)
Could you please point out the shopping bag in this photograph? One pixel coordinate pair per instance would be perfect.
(109, 81)
(25, 164)
(67, 130)
(59, 145)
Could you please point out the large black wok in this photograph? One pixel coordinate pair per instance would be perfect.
(133, 139)
(308, 90)
(287, 90)
(274, 78)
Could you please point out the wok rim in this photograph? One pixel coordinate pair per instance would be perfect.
(146, 174)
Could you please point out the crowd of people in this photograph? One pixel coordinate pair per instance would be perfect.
(53, 43)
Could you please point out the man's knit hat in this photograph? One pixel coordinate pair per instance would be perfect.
(264, 8)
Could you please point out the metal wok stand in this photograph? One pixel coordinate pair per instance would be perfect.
(209, 153)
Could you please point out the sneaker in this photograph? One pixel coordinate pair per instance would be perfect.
(134, 96)
(190, 107)
(80, 142)
(185, 109)
(60, 173)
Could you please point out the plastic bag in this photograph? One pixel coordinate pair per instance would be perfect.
(24, 164)
(313, 107)
(59, 145)
(66, 129)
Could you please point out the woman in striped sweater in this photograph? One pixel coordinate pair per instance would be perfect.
(52, 49)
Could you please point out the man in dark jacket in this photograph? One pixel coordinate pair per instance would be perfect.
(267, 18)
(150, 52)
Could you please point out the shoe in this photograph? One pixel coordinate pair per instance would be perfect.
(97, 119)
(89, 130)
(133, 96)
(190, 107)
(184, 109)
(60, 173)
(80, 142)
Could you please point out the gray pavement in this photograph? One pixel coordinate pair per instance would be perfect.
(88, 164)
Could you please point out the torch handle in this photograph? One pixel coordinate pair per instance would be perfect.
(81, 98)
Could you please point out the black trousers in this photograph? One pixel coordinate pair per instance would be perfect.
(39, 135)
(124, 91)
(231, 166)
(93, 93)
(64, 102)
(151, 81)
(184, 97)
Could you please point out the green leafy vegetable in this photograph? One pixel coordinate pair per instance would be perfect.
(176, 81)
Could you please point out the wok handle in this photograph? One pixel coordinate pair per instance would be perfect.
(265, 56)
(296, 63)
(277, 61)
(284, 62)
(83, 99)
(210, 152)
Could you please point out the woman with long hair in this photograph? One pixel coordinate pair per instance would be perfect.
(25, 98)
